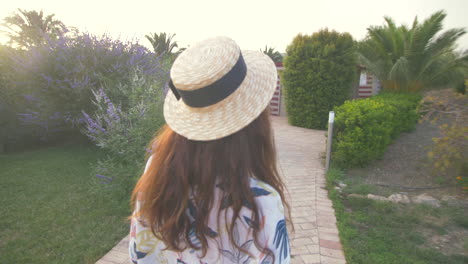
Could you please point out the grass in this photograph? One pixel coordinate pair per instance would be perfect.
(382, 232)
(53, 210)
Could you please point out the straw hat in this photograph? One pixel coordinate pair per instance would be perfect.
(217, 89)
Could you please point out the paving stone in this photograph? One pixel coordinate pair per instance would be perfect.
(101, 261)
(303, 241)
(330, 244)
(310, 225)
(325, 223)
(325, 209)
(296, 260)
(299, 233)
(301, 220)
(332, 253)
(327, 230)
(331, 237)
(311, 258)
(323, 213)
(328, 260)
(301, 250)
(326, 218)
(115, 257)
(127, 261)
(313, 248)
(303, 213)
(322, 203)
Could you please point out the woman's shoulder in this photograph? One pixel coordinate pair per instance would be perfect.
(267, 198)
(262, 189)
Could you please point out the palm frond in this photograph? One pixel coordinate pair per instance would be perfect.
(426, 31)
(376, 67)
(162, 43)
(441, 46)
(274, 55)
(30, 28)
(413, 57)
(400, 71)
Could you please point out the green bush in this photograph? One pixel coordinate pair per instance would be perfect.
(319, 75)
(364, 128)
(10, 104)
(406, 104)
(124, 134)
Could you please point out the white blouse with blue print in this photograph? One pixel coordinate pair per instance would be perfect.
(145, 248)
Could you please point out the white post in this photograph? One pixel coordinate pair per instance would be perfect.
(331, 119)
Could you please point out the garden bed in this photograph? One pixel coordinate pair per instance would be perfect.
(388, 232)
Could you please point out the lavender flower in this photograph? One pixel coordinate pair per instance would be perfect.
(93, 126)
(30, 97)
(104, 178)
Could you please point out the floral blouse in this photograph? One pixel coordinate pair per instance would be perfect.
(145, 248)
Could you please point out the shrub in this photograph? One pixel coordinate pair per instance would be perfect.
(461, 87)
(319, 74)
(125, 133)
(11, 102)
(406, 104)
(364, 128)
(448, 154)
(55, 80)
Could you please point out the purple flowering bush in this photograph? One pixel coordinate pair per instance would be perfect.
(55, 81)
(124, 132)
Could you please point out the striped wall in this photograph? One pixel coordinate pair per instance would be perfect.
(275, 103)
(365, 88)
(368, 85)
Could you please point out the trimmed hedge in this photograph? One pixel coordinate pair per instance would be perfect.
(364, 128)
(320, 71)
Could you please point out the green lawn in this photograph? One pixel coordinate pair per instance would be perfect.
(53, 210)
(377, 232)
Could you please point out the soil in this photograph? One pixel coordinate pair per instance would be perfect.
(404, 162)
(406, 167)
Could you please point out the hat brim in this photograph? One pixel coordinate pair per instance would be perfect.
(231, 114)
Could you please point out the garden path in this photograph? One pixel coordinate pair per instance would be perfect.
(316, 237)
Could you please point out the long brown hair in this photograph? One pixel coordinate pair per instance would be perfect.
(180, 165)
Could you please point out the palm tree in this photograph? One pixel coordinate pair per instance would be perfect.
(412, 59)
(162, 43)
(274, 55)
(30, 28)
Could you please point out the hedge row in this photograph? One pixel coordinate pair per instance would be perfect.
(364, 128)
(320, 70)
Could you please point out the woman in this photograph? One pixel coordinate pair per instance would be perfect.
(211, 192)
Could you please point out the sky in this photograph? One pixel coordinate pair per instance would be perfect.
(251, 23)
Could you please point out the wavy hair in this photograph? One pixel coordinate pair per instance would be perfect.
(180, 165)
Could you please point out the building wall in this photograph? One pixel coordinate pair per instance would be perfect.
(368, 85)
(277, 102)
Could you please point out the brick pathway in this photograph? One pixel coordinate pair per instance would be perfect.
(316, 238)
